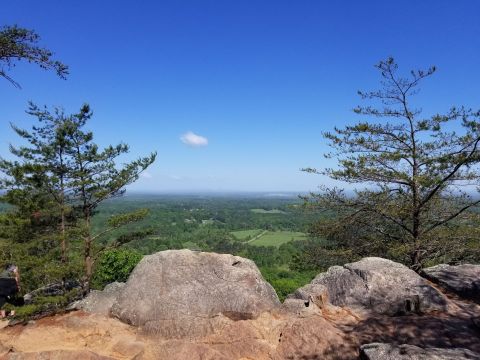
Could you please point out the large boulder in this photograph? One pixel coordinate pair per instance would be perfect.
(463, 280)
(380, 351)
(177, 293)
(376, 285)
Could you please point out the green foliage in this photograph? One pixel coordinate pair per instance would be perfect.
(18, 44)
(25, 312)
(43, 305)
(115, 265)
(123, 219)
(285, 281)
(320, 255)
(40, 264)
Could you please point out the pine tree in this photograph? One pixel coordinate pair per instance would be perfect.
(44, 165)
(18, 44)
(58, 180)
(96, 178)
(414, 176)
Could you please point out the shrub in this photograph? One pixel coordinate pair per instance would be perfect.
(115, 265)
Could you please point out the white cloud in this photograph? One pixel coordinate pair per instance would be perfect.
(192, 139)
(146, 175)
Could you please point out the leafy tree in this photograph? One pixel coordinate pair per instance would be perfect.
(418, 174)
(18, 44)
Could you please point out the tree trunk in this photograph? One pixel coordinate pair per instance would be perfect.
(63, 243)
(416, 264)
(88, 254)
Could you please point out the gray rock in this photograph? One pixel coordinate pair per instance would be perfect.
(377, 285)
(55, 289)
(299, 307)
(99, 302)
(311, 294)
(179, 289)
(380, 351)
(463, 280)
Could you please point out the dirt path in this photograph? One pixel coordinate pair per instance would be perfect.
(257, 237)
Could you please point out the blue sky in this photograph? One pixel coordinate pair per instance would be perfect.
(258, 80)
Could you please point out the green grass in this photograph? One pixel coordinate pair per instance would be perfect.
(263, 211)
(277, 238)
(245, 234)
(267, 238)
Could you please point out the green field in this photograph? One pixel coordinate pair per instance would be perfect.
(277, 238)
(258, 237)
(246, 234)
(263, 211)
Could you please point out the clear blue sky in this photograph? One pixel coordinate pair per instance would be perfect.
(259, 79)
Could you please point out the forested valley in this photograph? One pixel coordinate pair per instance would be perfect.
(409, 195)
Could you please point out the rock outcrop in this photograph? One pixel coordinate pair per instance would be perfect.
(100, 302)
(379, 351)
(178, 293)
(464, 280)
(74, 335)
(186, 305)
(376, 285)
